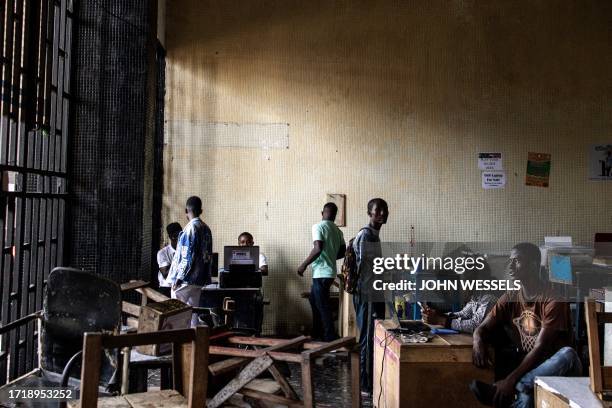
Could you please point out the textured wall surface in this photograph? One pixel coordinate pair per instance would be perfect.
(390, 99)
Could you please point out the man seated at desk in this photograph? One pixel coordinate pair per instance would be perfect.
(473, 313)
(467, 319)
(246, 239)
(539, 328)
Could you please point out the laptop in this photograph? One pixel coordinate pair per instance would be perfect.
(240, 255)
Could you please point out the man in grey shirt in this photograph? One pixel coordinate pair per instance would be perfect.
(367, 246)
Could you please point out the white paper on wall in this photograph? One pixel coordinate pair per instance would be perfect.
(493, 179)
(490, 161)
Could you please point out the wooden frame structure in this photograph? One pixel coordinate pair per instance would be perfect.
(600, 375)
(189, 360)
(262, 356)
(132, 310)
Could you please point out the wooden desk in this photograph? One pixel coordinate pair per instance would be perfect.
(424, 374)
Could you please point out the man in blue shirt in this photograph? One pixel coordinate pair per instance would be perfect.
(190, 269)
(328, 246)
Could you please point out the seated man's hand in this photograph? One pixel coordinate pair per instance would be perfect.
(432, 316)
(480, 355)
(504, 393)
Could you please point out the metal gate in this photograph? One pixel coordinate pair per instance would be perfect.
(36, 38)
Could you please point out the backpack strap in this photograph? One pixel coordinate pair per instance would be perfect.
(358, 233)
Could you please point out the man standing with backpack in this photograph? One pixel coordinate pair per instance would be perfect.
(328, 246)
(366, 246)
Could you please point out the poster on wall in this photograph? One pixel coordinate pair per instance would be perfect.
(493, 179)
(538, 169)
(490, 161)
(600, 162)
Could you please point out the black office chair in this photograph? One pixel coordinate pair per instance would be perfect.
(75, 302)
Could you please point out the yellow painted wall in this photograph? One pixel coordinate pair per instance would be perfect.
(391, 99)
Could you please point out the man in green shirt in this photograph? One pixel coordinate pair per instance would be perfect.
(328, 246)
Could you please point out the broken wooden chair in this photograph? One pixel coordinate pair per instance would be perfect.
(189, 361)
(74, 302)
(600, 375)
(263, 356)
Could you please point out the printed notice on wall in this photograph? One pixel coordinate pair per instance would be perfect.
(493, 179)
(600, 162)
(490, 161)
(538, 169)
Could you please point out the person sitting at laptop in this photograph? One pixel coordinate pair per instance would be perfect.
(478, 305)
(246, 239)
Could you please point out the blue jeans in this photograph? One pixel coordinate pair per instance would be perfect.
(564, 363)
(321, 310)
(365, 314)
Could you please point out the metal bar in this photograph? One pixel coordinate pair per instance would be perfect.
(3, 340)
(54, 233)
(15, 361)
(55, 94)
(27, 80)
(35, 299)
(60, 238)
(68, 53)
(43, 147)
(63, 156)
(41, 55)
(40, 253)
(8, 340)
(2, 33)
(22, 194)
(42, 79)
(5, 99)
(62, 32)
(16, 86)
(8, 260)
(25, 279)
(48, 253)
(24, 170)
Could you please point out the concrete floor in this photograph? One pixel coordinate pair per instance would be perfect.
(332, 381)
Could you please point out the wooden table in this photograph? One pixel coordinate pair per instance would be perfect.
(424, 374)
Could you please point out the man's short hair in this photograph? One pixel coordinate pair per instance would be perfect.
(529, 251)
(331, 207)
(173, 228)
(245, 234)
(379, 201)
(194, 205)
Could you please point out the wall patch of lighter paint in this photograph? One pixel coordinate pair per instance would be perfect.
(227, 134)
